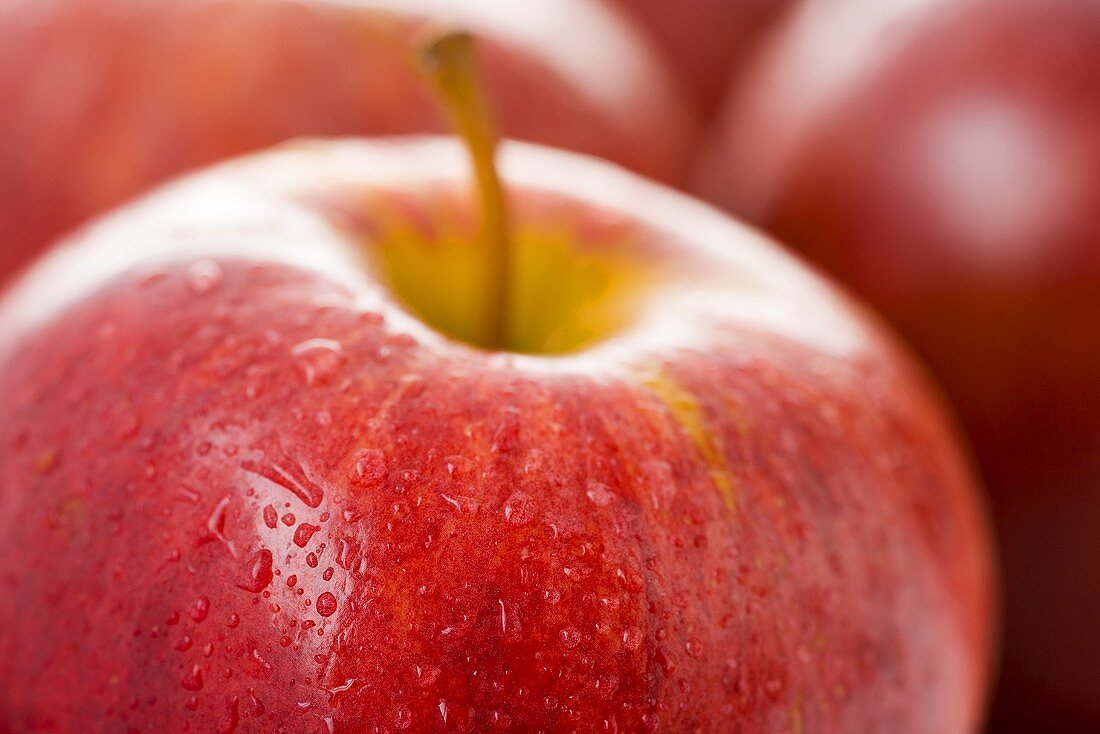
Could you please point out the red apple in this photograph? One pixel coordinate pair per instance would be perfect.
(708, 40)
(248, 482)
(948, 168)
(102, 98)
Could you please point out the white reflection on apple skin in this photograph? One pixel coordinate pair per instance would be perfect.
(726, 276)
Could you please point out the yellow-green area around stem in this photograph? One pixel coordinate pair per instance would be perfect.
(563, 297)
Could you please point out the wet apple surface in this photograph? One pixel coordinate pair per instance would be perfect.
(244, 486)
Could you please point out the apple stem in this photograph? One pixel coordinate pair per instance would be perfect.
(449, 61)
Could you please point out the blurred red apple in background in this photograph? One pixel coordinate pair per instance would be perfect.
(707, 39)
(246, 484)
(101, 98)
(945, 161)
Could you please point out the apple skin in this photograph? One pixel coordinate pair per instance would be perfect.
(103, 98)
(707, 40)
(950, 175)
(229, 453)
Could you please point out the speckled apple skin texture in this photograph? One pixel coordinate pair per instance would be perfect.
(103, 98)
(954, 182)
(248, 494)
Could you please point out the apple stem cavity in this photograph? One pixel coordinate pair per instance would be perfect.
(449, 61)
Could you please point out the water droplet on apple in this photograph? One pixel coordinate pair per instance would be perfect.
(342, 553)
(344, 687)
(203, 276)
(271, 518)
(632, 638)
(426, 675)
(631, 580)
(570, 637)
(519, 509)
(290, 476)
(326, 604)
(185, 643)
(188, 494)
(215, 525)
(152, 279)
(600, 494)
(402, 717)
(199, 609)
(303, 534)
(192, 680)
(369, 468)
(401, 510)
(289, 519)
(694, 647)
(255, 666)
(319, 359)
(402, 340)
(551, 596)
(260, 573)
(667, 664)
(255, 705)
